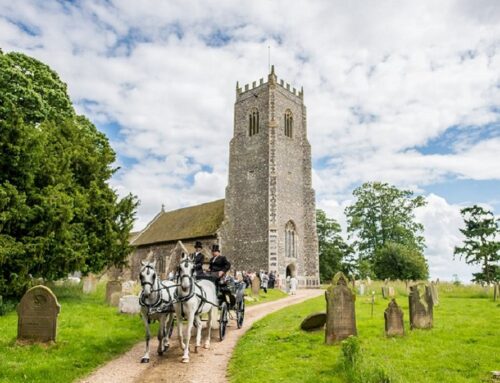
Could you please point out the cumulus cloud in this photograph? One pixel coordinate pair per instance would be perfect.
(382, 80)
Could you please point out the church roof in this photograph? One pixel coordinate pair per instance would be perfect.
(190, 222)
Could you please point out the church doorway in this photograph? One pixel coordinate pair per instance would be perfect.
(290, 270)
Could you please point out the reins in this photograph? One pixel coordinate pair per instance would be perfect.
(159, 288)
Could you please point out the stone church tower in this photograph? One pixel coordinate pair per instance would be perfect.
(270, 216)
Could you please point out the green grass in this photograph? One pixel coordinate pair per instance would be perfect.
(463, 346)
(272, 295)
(89, 333)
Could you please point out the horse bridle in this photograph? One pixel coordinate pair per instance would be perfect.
(159, 300)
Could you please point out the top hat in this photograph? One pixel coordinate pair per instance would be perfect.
(198, 245)
(215, 248)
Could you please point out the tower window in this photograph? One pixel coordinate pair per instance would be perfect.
(288, 123)
(253, 122)
(290, 240)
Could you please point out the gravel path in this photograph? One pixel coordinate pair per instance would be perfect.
(206, 365)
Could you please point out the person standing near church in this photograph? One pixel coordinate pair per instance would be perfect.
(198, 259)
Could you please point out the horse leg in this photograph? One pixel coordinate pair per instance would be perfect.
(145, 358)
(190, 319)
(209, 328)
(198, 333)
(178, 314)
(161, 334)
(169, 323)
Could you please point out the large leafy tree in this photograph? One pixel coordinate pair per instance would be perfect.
(482, 243)
(57, 212)
(381, 214)
(334, 252)
(396, 261)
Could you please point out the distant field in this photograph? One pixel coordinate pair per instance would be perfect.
(463, 346)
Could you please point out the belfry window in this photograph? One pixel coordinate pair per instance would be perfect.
(288, 123)
(290, 240)
(253, 122)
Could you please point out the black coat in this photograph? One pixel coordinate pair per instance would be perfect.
(198, 263)
(219, 263)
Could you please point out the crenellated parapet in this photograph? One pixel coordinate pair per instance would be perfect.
(271, 79)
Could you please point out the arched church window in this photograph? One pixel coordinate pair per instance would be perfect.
(288, 123)
(253, 122)
(290, 240)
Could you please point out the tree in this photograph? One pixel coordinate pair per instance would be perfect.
(396, 261)
(57, 212)
(333, 250)
(383, 213)
(481, 244)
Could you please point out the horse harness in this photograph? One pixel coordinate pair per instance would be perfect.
(160, 305)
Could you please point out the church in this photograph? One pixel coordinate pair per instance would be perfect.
(267, 220)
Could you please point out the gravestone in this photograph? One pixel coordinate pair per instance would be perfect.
(255, 285)
(111, 288)
(368, 281)
(496, 291)
(114, 300)
(390, 292)
(434, 294)
(89, 284)
(129, 304)
(37, 315)
(128, 287)
(340, 311)
(393, 315)
(313, 322)
(385, 292)
(361, 289)
(421, 308)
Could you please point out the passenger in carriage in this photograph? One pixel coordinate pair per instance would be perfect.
(198, 258)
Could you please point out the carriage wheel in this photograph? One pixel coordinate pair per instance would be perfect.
(223, 320)
(240, 313)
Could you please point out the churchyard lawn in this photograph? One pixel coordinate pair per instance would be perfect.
(89, 333)
(462, 347)
(272, 295)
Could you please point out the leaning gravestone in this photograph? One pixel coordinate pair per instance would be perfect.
(341, 317)
(313, 322)
(37, 315)
(255, 285)
(393, 315)
(89, 284)
(434, 294)
(421, 308)
(111, 288)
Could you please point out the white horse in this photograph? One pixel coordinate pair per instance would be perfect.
(156, 302)
(193, 298)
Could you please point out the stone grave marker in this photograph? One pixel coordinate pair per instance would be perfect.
(313, 322)
(434, 294)
(421, 308)
(89, 284)
(111, 288)
(129, 304)
(341, 317)
(385, 292)
(255, 285)
(128, 287)
(37, 315)
(361, 289)
(393, 315)
(390, 292)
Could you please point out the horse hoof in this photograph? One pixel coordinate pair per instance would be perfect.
(160, 353)
(145, 360)
(207, 346)
(185, 360)
(167, 347)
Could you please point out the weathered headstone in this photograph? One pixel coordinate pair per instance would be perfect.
(393, 315)
(255, 285)
(111, 288)
(128, 287)
(340, 309)
(37, 315)
(129, 304)
(361, 289)
(313, 322)
(385, 292)
(421, 308)
(368, 281)
(434, 294)
(114, 299)
(390, 292)
(89, 284)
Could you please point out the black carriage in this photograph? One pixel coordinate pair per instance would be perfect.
(231, 298)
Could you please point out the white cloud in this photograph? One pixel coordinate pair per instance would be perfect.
(380, 79)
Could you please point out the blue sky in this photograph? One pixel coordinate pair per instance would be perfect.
(403, 92)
